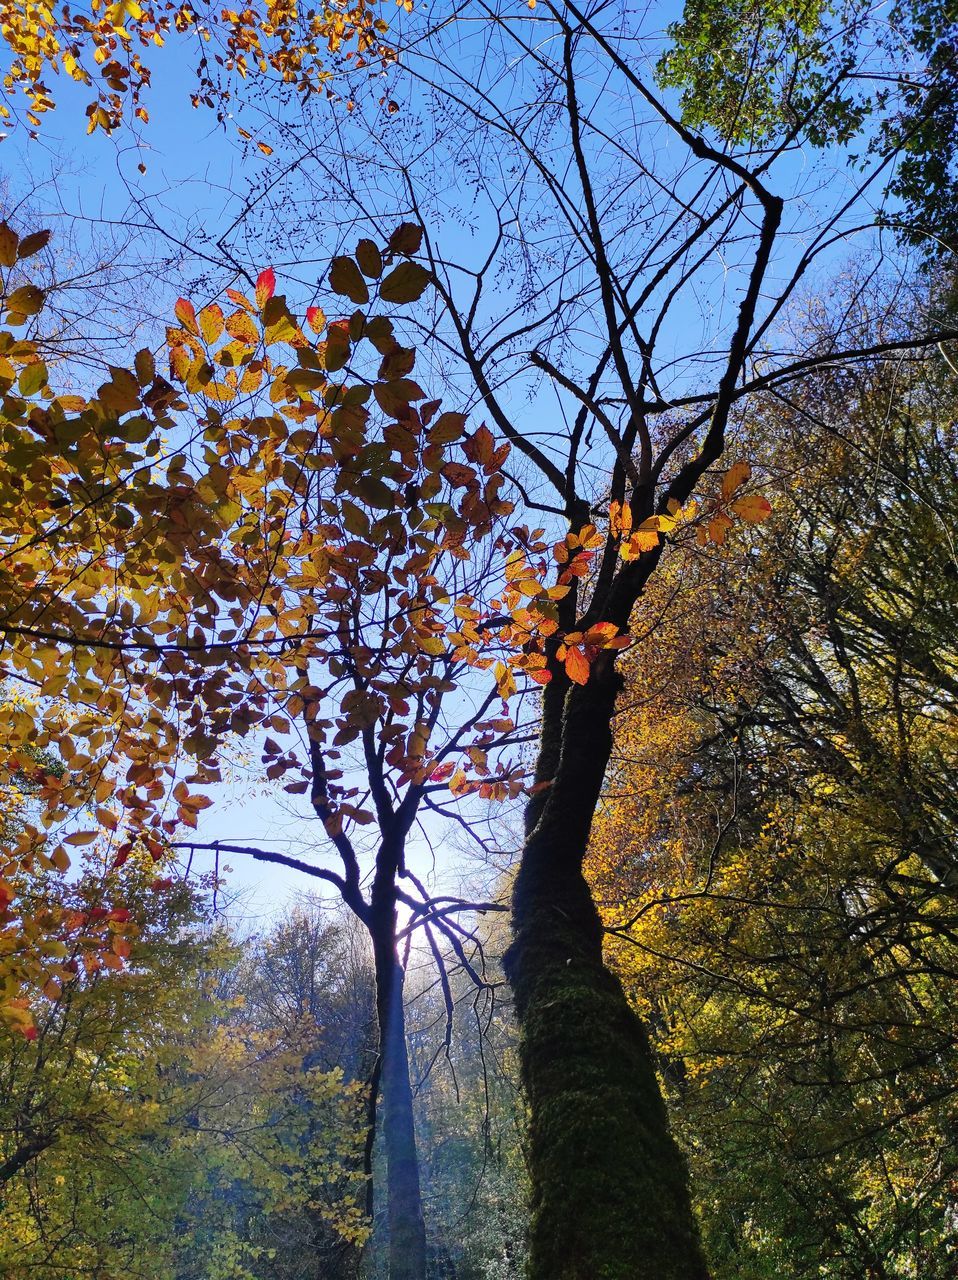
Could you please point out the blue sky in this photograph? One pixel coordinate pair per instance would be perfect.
(198, 176)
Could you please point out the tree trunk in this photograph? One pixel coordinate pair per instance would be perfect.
(610, 1196)
(405, 1225)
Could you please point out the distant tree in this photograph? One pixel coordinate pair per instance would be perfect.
(753, 72)
(145, 1130)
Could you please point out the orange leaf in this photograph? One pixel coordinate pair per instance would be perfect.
(480, 446)
(577, 666)
(186, 315)
(752, 508)
(735, 477)
(601, 634)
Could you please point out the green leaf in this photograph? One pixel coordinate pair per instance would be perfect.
(32, 378)
(336, 348)
(374, 492)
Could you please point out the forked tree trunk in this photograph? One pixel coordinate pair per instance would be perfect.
(404, 1216)
(609, 1186)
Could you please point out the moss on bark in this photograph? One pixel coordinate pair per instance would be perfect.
(610, 1191)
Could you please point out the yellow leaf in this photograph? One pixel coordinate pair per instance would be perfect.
(210, 321)
(9, 240)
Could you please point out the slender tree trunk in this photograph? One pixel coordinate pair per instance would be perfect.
(610, 1188)
(405, 1225)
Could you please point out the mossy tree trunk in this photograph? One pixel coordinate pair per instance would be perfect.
(610, 1189)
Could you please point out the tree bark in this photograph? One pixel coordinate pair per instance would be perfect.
(405, 1224)
(22, 1157)
(610, 1197)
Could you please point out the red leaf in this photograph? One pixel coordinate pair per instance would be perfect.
(122, 854)
(186, 315)
(265, 287)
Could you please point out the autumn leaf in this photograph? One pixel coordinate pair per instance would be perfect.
(345, 278)
(32, 244)
(9, 241)
(405, 283)
(734, 478)
(265, 287)
(576, 665)
(185, 313)
(480, 446)
(370, 259)
(406, 239)
(752, 508)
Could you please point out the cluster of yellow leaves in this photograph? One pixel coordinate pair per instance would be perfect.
(102, 47)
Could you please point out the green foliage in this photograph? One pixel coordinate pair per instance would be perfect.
(147, 1130)
(764, 75)
(752, 70)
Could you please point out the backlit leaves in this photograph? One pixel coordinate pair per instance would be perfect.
(326, 554)
(334, 553)
(102, 50)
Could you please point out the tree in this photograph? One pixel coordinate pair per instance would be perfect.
(590, 222)
(600, 231)
(330, 576)
(775, 857)
(146, 1128)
